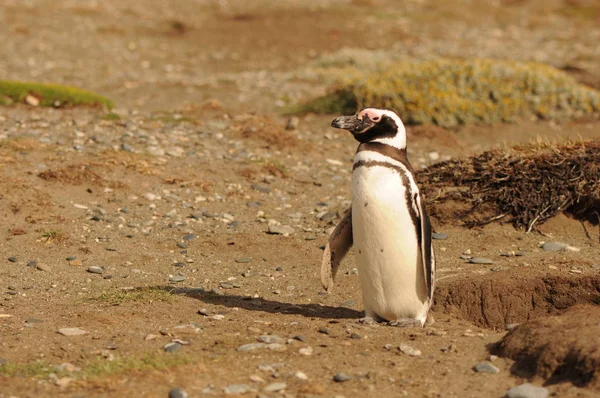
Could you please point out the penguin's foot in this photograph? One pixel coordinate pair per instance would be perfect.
(406, 323)
(368, 320)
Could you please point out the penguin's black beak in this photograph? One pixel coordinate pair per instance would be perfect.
(346, 122)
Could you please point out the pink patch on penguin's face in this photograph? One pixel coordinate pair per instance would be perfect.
(371, 113)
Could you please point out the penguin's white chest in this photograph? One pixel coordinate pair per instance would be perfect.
(386, 245)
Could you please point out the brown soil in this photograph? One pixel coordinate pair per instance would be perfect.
(558, 348)
(207, 83)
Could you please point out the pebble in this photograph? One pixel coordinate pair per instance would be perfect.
(178, 393)
(300, 375)
(95, 270)
(281, 230)
(179, 264)
(480, 260)
(271, 338)
(485, 367)
(72, 331)
(596, 266)
(43, 267)
(31, 263)
(12, 259)
(409, 350)
(237, 389)
(355, 336)
(439, 235)
(299, 338)
(189, 236)
(176, 278)
(527, 390)
(261, 188)
(243, 260)
(251, 347)
(217, 292)
(274, 387)
(226, 285)
(554, 246)
(341, 377)
(172, 347)
(324, 330)
(306, 351)
(71, 258)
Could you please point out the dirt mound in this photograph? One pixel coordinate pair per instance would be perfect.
(493, 302)
(526, 185)
(558, 348)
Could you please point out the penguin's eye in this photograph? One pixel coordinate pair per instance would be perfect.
(376, 118)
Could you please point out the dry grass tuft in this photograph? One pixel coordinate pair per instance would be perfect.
(526, 185)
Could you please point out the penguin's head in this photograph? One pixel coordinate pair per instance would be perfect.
(374, 125)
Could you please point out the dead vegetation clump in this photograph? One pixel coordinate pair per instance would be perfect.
(525, 185)
(78, 174)
(265, 129)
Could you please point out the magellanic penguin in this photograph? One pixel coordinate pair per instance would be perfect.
(387, 224)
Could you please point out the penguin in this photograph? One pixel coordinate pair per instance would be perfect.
(387, 224)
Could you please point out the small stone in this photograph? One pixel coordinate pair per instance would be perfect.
(176, 278)
(388, 347)
(12, 259)
(307, 351)
(276, 347)
(43, 267)
(299, 338)
(243, 260)
(178, 393)
(172, 347)
(64, 381)
(257, 379)
(300, 375)
(72, 331)
(32, 100)
(151, 196)
(496, 268)
(217, 292)
(237, 389)
(596, 266)
(274, 387)
(251, 347)
(480, 260)
(281, 230)
(355, 336)
(527, 390)
(341, 377)
(189, 237)
(226, 285)
(554, 246)
(31, 263)
(218, 317)
(465, 257)
(292, 123)
(179, 264)
(409, 350)
(95, 270)
(439, 236)
(182, 245)
(271, 338)
(324, 330)
(260, 188)
(126, 147)
(486, 367)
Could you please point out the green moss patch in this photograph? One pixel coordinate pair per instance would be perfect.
(449, 92)
(53, 95)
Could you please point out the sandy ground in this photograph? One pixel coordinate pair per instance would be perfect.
(173, 202)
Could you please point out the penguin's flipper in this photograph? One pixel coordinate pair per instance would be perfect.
(339, 243)
(427, 255)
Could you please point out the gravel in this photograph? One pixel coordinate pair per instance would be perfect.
(486, 367)
(527, 390)
(341, 377)
(480, 260)
(178, 393)
(237, 389)
(281, 230)
(251, 347)
(72, 331)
